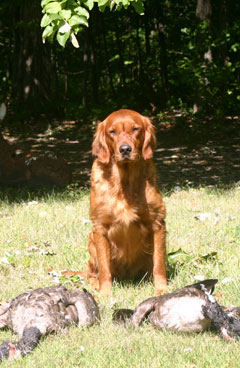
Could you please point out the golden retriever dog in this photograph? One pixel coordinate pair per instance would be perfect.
(128, 235)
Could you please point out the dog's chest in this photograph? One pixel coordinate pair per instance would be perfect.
(130, 239)
(124, 209)
(124, 212)
(130, 228)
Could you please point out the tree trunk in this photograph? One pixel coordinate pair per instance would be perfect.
(107, 56)
(203, 13)
(30, 59)
(85, 70)
(138, 50)
(147, 30)
(162, 53)
(121, 58)
(93, 37)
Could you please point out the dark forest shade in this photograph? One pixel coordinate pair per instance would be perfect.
(178, 54)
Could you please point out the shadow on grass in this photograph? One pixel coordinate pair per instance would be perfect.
(19, 194)
(189, 154)
(172, 271)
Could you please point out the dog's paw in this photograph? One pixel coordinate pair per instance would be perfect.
(106, 289)
(160, 289)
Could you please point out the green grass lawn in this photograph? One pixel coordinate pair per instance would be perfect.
(41, 232)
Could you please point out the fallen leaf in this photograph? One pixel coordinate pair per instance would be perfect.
(199, 277)
(187, 349)
(32, 203)
(43, 214)
(4, 260)
(46, 252)
(219, 295)
(203, 216)
(226, 280)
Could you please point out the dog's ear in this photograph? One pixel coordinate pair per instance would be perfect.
(149, 143)
(99, 146)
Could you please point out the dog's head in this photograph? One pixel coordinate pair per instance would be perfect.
(124, 136)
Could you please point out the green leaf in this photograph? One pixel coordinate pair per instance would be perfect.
(76, 19)
(125, 3)
(102, 2)
(209, 256)
(47, 32)
(51, 36)
(45, 20)
(128, 62)
(235, 47)
(27, 261)
(115, 57)
(62, 38)
(190, 45)
(64, 28)
(74, 40)
(138, 6)
(65, 14)
(177, 253)
(55, 16)
(53, 7)
(184, 30)
(173, 257)
(45, 2)
(237, 230)
(89, 4)
(82, 11)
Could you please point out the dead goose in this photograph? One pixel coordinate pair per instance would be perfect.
(190, 309)
(38, 312)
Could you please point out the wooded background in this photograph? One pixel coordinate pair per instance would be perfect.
(177, 55)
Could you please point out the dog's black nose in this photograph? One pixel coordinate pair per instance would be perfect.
(125, 149)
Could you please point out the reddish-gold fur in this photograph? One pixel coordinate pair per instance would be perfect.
(126, 208)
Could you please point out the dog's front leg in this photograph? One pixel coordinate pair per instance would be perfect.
(159, 259)
(103, 259)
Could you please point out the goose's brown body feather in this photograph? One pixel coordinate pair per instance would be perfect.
(190, 309)
(45, 310)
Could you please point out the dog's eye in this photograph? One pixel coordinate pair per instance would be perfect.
(135, 129)
(112, 131)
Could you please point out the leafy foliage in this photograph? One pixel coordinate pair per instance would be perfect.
(65, 18)
(165, 58)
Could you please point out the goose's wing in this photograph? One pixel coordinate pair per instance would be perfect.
(4, 310)
(44, 308)
(180, 310)
(144, 309)
(38, 312)
(86, 307)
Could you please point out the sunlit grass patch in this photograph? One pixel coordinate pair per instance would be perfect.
(43, 232)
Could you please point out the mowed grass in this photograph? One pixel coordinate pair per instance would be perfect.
(43, 232)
